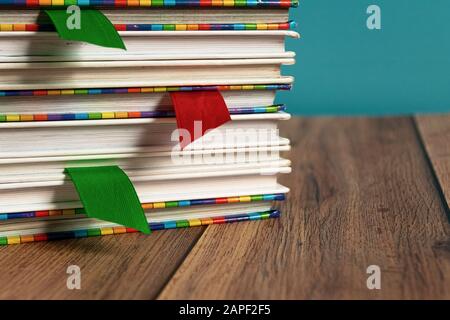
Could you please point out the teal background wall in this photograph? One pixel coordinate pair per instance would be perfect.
(345, 68)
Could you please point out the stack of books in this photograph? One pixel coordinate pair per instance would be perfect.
(72, 104)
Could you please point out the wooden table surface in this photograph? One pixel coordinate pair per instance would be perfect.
(364, 191)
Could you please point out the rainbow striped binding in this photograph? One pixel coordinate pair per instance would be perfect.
(150, 205)
(153, 227)
(163, 27)
(123, 114)
(143, 90)
(150, 3)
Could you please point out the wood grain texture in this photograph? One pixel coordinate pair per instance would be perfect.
(435, 134)
(362, 194)
(131, 266)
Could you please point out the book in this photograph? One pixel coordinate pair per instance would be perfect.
(127, 4)
(151, 158)
(101, 74)
(137, 102)
(147, 45)
(150, 186)
(26, 232)
(21, 15)
(68, 104)
(121, 135)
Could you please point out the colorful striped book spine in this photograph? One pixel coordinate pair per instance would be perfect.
(143, 90)
(122, 114)
(83, 233)
(150, 3)
(163, 27)
(150, 205)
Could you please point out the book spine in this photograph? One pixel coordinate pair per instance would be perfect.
(122, 114)
(152, 3)
(143, 90)
(146, 206)
(33, 27)
(84, 233)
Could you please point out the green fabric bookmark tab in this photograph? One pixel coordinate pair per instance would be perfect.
(108, 194)
(92, 27)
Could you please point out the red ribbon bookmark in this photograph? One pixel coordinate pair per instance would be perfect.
(198, 112)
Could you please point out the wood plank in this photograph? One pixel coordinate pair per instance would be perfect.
(129, 266)
(435, 134)
(362, 194)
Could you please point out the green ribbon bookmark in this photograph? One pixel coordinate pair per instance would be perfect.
(90, 26)
(108, 194)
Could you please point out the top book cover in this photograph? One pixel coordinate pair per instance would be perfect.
(149, 3)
